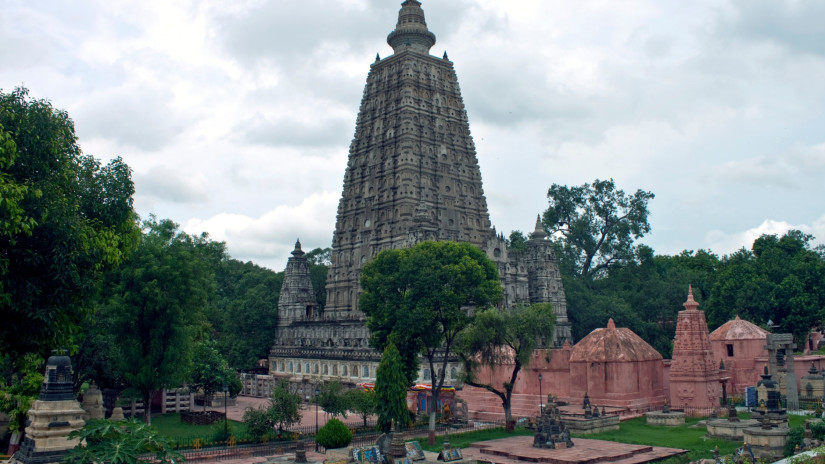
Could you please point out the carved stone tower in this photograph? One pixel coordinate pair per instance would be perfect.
(694, 374)
(297, 300)
(412, 175)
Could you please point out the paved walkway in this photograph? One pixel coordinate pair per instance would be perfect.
(308, 414)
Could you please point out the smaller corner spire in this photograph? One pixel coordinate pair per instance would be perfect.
(445, 56)
(377, 57)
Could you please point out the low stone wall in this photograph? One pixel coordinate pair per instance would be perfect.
(202, 417)
(667, 419)
(581, 425)
(723, 428)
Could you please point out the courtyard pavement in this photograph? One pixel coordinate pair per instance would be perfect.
(307, 412)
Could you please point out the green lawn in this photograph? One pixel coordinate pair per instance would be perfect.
(171, 426)
(636, 431)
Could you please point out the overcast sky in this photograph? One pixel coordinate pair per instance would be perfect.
(236, 116)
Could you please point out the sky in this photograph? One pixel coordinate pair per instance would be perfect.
(236, 116)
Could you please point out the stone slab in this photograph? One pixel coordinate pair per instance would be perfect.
(585, 451)
(668, 419)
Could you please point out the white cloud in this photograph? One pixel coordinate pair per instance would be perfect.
(268, 239)
(726, 243)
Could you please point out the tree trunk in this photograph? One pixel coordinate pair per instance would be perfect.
(431, 433)
(147, 407)
(509, 423)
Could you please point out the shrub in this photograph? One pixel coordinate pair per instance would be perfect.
(257, 423)
(334, 435)
(795, 438)
(818, 430)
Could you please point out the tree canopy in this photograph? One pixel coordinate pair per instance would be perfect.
(156, 302)
(597, 225)
(391, 390)
(419, 299)
(504, 337)
(65, 219)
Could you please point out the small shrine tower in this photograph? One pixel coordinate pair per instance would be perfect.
(695, 380)
(53, 416)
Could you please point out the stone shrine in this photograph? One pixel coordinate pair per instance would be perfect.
(812, 388)
(694, 375)
(768, 440)
(551, 431)
(780, 358)
(53, 416)
(412, 175)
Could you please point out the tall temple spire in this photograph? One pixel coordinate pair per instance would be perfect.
(411, 30)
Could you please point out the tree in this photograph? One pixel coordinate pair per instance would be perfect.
(361, 402)
(497, 338)
(419, 298)
(391, 390)
(283, 407)
(517, 241)
(332, 399)
(19, 391)
(597, 224)
(244, 310)
(156, 301)
(124, 442)
(64, 220)
(779, 279)
(210, 372)
(319, 262)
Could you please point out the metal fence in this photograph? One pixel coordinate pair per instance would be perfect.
(217, 447)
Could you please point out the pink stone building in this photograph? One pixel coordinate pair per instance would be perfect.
(695, 379)
(740, 344)
(617, 368)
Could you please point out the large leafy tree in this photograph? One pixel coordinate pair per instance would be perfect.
(284, 406)
(781, 279)
(64, 219)
(210, 372)
(506, 337)
(391, 390)
(597, 224)
(156, 301)
(243, 312)
(419, 298)
(361, 402)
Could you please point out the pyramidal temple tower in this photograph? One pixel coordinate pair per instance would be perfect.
(412, 175)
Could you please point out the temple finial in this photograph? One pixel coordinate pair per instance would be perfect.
(297, 251)
(411, 31)
(690, 304)
(445, 56)
(377, 57)
(538, 232)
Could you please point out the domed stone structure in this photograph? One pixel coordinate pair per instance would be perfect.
(615, 367)
(739, 342)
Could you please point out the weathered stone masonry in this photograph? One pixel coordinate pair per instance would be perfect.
(412, 175)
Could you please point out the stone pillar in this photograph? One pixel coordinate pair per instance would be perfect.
(776, 342)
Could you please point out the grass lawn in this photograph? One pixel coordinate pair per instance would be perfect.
(636, 431)
(171, 426)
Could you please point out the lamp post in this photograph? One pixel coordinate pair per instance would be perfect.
(225, 400)
(541, 396)
(317, 391)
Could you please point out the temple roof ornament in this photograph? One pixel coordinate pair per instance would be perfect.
(690, 304)
(538, 233)
(298, 251)
(411, 30)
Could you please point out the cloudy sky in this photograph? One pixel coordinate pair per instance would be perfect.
(236, 116)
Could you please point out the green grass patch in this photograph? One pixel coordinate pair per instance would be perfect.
(636, 431)
(172, 426)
